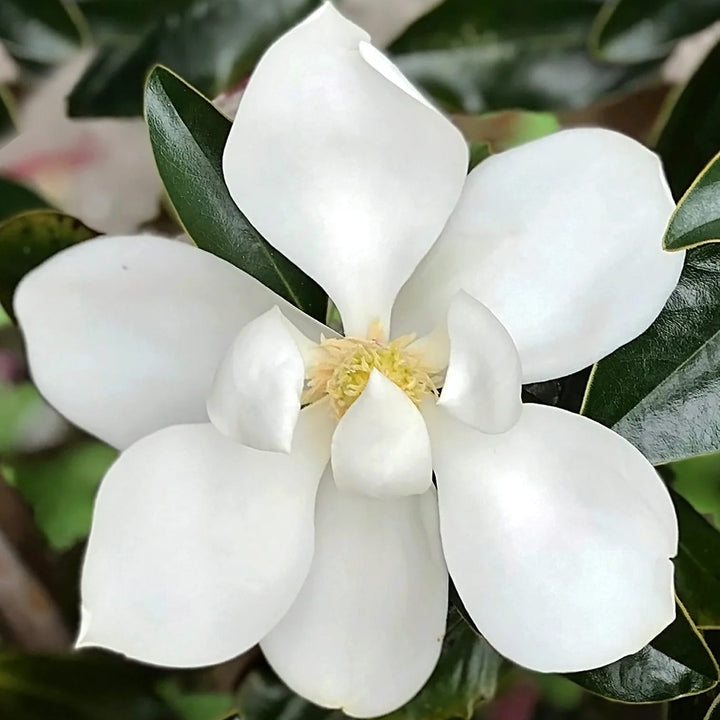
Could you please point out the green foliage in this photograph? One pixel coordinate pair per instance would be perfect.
(698, 481)
(213, 43)
(697, 565)
(690, 134)
(16, 198)
(696, 219)
(661, 390)
(629, 31)
(188, 136)
(28, 239)
(196, 705)
(41, 31)
(677, 663)
(81, 687)
(60, 487)
(477, 56)
(21, 411)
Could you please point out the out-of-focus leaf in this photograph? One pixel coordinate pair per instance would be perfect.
(696, 219)
(16, 198)
(465, 676)
(114, 19)
(263, 696)
(41, 31)
(213, 43)
(506, 129)
(7, 113)
(690, 135)
(662, 390)
(698, 481)
(697, 565)
(629, 31)
(188, 136)
(28, 239)
(478, 56)
(61, 488)
(78, 687)
(479, 151)
(196, 705)
(23, 412)
(677, 663)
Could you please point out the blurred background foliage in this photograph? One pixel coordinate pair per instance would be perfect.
(508, 71)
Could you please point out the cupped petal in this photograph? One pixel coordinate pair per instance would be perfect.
(562, 239)
(255, 397)
(199, 545)
(366, 629)
(373, 180)
(124, 334)
(381, 445)
(558, 536)
(483, 380)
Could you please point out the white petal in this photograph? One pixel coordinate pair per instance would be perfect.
(200, 545)
(562, 239)
(381, 445)
(255, 398)
(124, 334)
(364, 171)
(365, 632)
(483, 380)
(557, 535)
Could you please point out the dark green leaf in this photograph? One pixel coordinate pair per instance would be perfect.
(61, 489)
(16, 198)
(114, 19)
(213, 43)
(698, 481)
(29, 239)
(466, 675)
(690, 136)
(697, 566)
(42, 31)
(83, 687)
(696, 219)
(477, 56)
(631, 31)
(713, 712)
(662, 390)
(188, 136)
(677, 663)
(7, 111)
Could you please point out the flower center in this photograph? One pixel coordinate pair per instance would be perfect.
(344, 365)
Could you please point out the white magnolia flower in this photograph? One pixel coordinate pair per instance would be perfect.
(316, 531)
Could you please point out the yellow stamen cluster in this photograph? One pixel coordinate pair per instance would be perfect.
(344, 366)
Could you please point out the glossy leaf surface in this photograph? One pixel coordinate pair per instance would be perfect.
(697, 565)
(638, 30)
(213, 43)
(28, 239)
(675, 664)
(188, 136)
(696, 219)
(662, 390)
